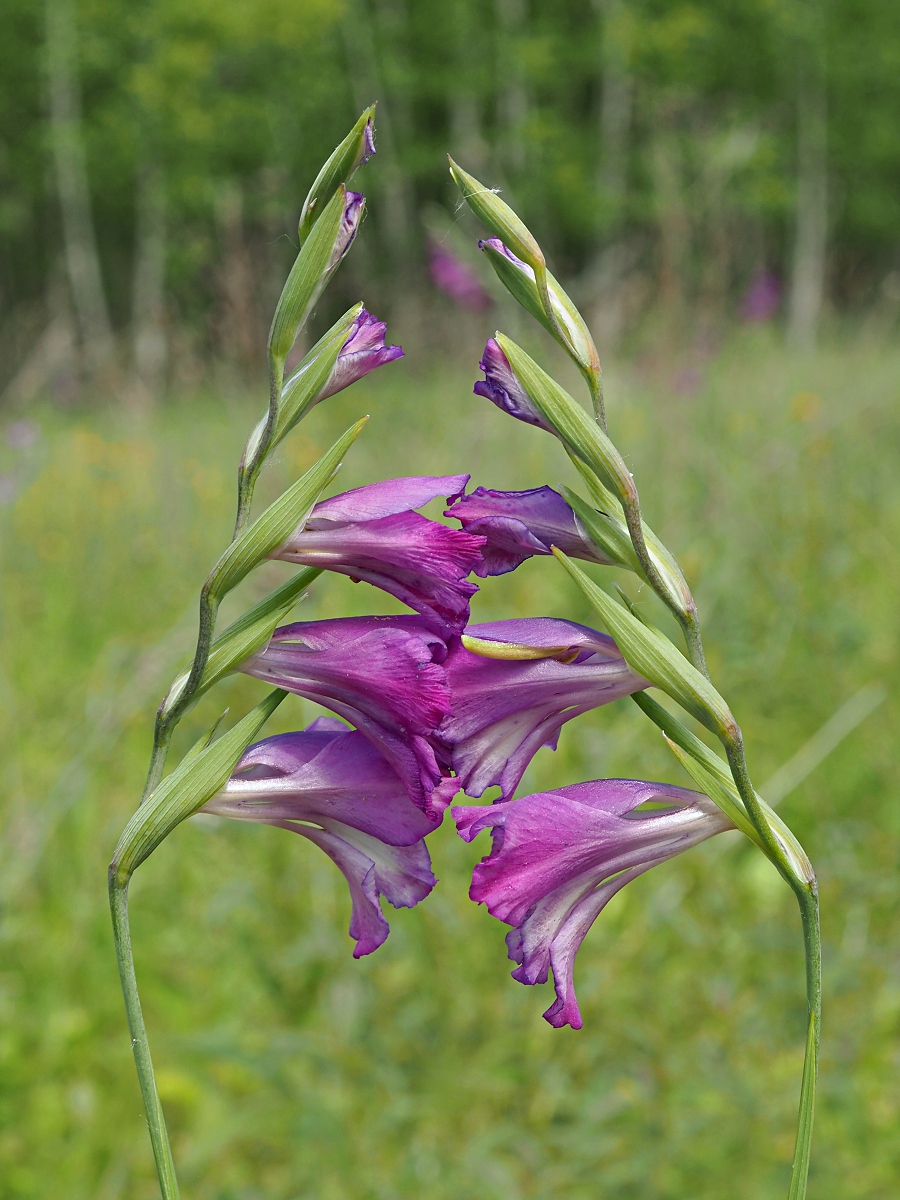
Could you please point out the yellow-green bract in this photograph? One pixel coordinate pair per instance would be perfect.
(498, 217)
(340, 168)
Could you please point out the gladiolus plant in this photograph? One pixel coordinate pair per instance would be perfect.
(428, 704)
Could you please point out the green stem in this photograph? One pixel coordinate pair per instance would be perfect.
(249, 473)
(806, 891)
(156, 1122)
(809, 911)
(162, 737)
(595, 383)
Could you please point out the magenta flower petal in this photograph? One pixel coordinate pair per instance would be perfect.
(370, 534)
(505, 710)
(330, 785)
(382, 674)
(501, 386)
(385, 498)
(558, 857)
(517, 525)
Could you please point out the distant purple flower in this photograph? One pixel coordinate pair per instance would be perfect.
(518, 525)
(456, 278)
(363, 351)
(329, 784)
(505, 708)
(385, 675)
(762, 298)
(372, 533)
(501, 386)
(559, 857)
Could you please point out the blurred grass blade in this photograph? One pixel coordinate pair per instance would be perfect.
(852, 713)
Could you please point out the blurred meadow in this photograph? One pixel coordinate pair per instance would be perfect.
(288, 1069)
(718, 183)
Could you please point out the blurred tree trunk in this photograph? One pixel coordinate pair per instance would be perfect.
(241, 332)
(149, 344)
(512, 93)
(671, 211)
(82, 259)
(606, 273)
(361, 38)
(467, 143)
(811, 216)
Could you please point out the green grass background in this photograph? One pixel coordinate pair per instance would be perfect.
(291, 1072)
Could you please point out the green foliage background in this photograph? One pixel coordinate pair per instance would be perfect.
(290, 1071)
(246, 97)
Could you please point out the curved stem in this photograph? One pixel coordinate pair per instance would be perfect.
(156, 1121)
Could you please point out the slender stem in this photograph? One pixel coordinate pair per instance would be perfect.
(156, 1121)
(809, 910)
(162, 738)
(249, 473)
(806, 891)
(595, 383)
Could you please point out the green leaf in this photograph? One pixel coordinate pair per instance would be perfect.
(245, 636)
(652, 655)
(570, 421)
(311, 271)
(498, 217)
(198, 776)
(279, 520)
(340, 168)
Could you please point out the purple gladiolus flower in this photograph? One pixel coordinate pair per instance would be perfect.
(558, 858)
(372, 533)
(329, 784)
(456, 278)
(363, 351)
(517, 525)
(502, 387)
(385, 675)
(542, 672)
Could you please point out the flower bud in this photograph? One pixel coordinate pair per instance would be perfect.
(519, 280)
(354, 151)
(317, 261)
